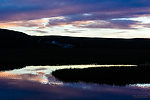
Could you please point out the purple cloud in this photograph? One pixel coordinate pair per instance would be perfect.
(88, 21)
(39, 31)
(116, 24)
(101, 9)
(99, 12)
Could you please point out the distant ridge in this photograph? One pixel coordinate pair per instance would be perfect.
(71, 50)
(14, 39)
(9, 38)
(4, 33)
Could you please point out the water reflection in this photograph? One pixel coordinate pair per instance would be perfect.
(42, 74)
(31, 81)
(146, 86)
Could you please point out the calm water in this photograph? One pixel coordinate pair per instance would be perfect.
(37, 83)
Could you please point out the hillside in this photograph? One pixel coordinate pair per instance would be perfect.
(13, 39)
(17, 48)
(12, 34)
(10, 38)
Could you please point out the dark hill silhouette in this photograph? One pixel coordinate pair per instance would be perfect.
(13, 39)
(4, 33)
(10, 38)
(19, 48)
(109, 43)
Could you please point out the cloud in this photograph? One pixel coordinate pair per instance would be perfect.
(39, 31)
(83, 21)
(12, 10)
(73, 31)
(39, 23)
(116, 24)
(78, 13)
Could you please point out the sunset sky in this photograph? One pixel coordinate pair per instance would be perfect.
(81, 18)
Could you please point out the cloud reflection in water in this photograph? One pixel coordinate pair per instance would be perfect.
(34, 80)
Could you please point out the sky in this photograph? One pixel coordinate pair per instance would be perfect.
(79, 18)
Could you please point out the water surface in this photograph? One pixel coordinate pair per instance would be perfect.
(37, 82)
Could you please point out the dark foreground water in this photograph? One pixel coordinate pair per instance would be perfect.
(37, 83)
